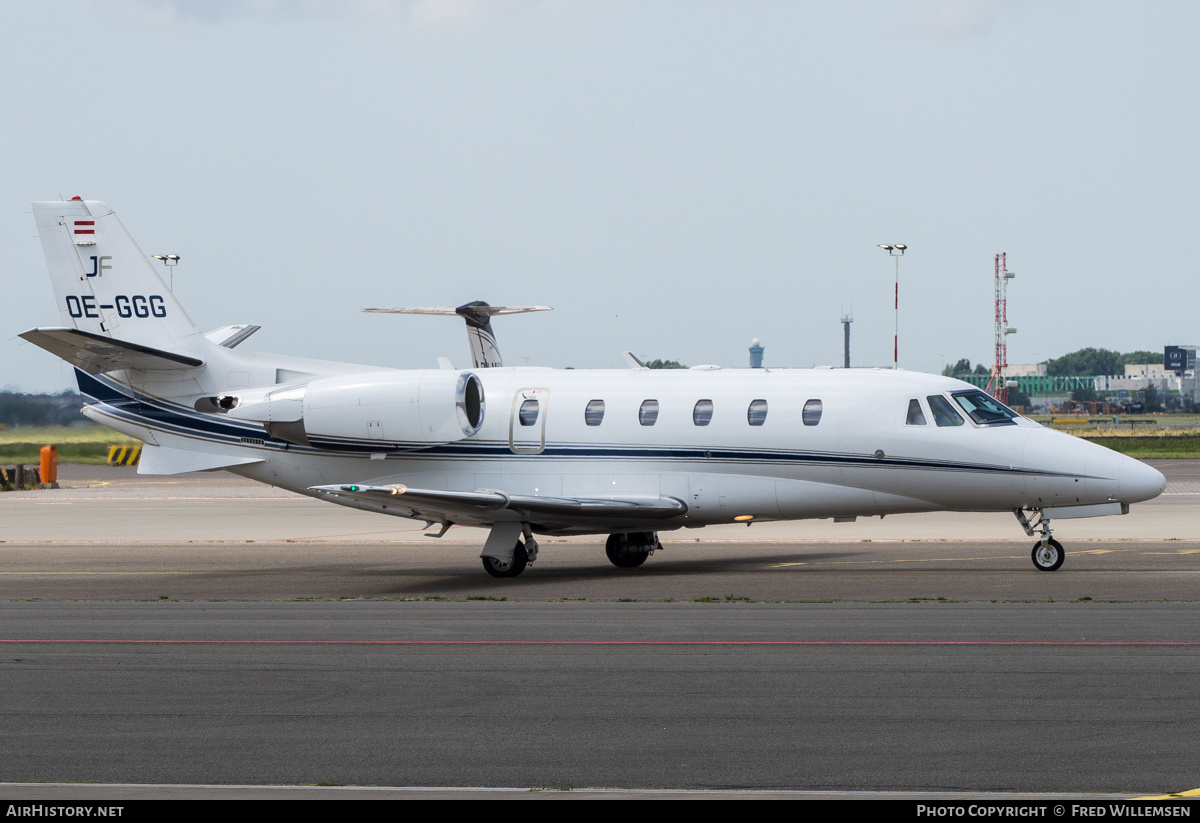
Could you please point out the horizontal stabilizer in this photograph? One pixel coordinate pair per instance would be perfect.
(457, 506)
(445, 311)
(478, 316)
(96, 354)
(231, 336)
(163, 460)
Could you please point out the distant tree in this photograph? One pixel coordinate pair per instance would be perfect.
(1084, 394)
(1150, 398)
(1084, 362)
(961, 367)
(1139, 358)
(981, 369)
(665, 364)
(17, 409)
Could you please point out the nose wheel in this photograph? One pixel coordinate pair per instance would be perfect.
(1048, 555)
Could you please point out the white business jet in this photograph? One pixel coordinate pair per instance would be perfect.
(525, 451)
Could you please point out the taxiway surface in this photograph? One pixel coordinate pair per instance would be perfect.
(205, 630)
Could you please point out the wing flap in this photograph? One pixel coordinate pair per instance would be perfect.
(96, 354)
(484, 505)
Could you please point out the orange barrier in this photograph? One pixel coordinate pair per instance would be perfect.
(50, 466)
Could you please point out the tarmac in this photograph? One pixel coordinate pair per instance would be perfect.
(206, 637)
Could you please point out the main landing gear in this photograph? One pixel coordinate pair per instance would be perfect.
(523, 552)
(627, 551)
(1048, 553)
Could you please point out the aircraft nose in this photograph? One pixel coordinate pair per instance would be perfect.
(1137, 481)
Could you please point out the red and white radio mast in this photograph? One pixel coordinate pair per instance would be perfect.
(996, 387)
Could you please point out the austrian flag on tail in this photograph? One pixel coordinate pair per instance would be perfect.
(85, 226)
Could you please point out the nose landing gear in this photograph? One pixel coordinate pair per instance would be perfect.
(1048, 553)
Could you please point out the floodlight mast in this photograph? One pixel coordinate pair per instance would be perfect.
(896, 251)
(997, 386)
(170, 261)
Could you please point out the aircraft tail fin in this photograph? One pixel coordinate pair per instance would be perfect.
(104, 285)
(484, 349)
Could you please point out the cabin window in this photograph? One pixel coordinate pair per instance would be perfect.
(943, 413)
(648, 413)
(702, 413)
(756, 415)
(916, 417)
(529, 412)
(593, 415)
(811, 414)
(983, 408)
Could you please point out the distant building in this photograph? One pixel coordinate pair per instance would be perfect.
(1025, 370)
(756, 354)
(1137, 382)
(1146, 370)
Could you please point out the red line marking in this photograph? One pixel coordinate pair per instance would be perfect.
(618, 642)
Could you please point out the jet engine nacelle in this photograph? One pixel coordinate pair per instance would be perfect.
(392, 410)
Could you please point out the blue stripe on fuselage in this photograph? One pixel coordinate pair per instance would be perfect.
(139, 409)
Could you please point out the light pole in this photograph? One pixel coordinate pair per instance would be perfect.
(170, 261)
(896, 251)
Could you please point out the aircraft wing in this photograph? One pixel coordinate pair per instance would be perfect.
(482, 507)
(95, 353)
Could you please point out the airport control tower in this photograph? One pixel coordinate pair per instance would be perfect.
(756, 353)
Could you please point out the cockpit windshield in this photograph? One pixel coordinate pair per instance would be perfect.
(983, 408)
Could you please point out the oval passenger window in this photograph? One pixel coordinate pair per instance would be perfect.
(812, 413)
(757, 413)
(528, 413)
(593, 415)
(648, 413)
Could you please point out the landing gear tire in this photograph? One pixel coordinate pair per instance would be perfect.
(1048, 556)
(498, 568)
(628, 551)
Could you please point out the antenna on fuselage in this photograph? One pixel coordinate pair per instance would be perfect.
(478, 317)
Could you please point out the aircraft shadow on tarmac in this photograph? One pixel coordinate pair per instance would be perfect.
(440, 581)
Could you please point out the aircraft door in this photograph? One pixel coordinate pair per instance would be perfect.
(527, 423)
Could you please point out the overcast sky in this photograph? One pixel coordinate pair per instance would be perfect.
(675, 178)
